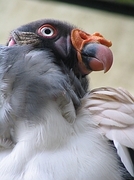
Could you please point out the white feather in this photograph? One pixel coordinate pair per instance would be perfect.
(125, 157)
(52, 148)
(113, 112)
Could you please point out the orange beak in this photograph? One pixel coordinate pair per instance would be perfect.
(93, 51)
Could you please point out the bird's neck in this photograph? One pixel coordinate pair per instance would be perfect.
(35, 136)
(49, 132)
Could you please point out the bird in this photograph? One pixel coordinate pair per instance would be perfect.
(49, 127)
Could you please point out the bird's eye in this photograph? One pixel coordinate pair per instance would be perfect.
(47, 31)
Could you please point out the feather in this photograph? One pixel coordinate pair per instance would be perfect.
(125, 157)
(113, 112)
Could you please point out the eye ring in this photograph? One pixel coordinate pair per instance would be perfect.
(47, 31)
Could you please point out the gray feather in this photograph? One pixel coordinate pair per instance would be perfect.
(30, 78)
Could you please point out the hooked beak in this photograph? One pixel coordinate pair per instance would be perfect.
(93, 51)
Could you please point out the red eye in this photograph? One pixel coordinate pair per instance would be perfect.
(47, 31)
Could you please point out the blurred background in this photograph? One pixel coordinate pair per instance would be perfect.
(114, 23)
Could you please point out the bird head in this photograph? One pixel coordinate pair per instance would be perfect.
(79, 51)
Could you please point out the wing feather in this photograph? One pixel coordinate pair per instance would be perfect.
(113, 113)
